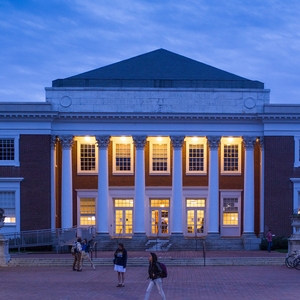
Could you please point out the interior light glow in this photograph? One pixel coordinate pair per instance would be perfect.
(230, 139)
(159, 138)
(87, 138)
(123, 138)
(195, 139)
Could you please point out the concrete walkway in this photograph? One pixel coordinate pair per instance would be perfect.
(183, 283)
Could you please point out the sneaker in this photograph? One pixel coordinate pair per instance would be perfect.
(93, 267)
(122, 285)
(119, 285)
(79, 270)
(74, 269)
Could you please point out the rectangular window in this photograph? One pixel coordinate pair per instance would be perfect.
(159, 155)
(230, 211)
(9, 151)
(123, 155)
(87, 212)
(231, 156)
(297, 151)
(196, 155)
(87, 156)
(7, 202)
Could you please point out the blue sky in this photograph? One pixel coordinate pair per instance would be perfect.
(42, 40)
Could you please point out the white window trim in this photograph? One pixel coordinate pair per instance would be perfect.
(164, 140)
(296, 151)
(12, 185)
(16, 161)
(86, 194)
(296, 191)
(82, 140)
(200, 140)
(235, 141)
(119, 140)
(231, 194)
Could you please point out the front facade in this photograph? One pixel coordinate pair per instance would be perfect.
(155, 146)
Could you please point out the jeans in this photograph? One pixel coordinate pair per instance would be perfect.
(269, 246)
(158, 283)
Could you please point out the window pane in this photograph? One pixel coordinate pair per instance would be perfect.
(7, 202)
(231, 157)
(196, 157)
(159, 157)
(7, 149)
(230, 211)
(87, 157)
(123, 202)
(87, 211)
(123, 159)
(159, 202)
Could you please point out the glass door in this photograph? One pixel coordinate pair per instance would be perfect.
(123, 217)
(195, 217)
(159, 217)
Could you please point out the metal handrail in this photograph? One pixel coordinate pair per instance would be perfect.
(46, 237)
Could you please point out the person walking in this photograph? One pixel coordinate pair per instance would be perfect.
(77, 256)
(154, 272)
(269, 240)
(85, 252)
(120, 262)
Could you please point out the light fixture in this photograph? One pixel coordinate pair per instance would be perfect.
(230, 139)
(123, 138)
(159, 138)
(195, 139)
(87, 138)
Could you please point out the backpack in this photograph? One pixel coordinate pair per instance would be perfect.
(74, 249)
(164, 272)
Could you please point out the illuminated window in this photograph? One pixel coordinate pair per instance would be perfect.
(196, 155)
(231, 156)
(87, 156)
(123, 155)
(9, 151)
(87, 211)
(159, 202)
(195, 202)
(123, 202)
(230, 211)
(7, 202)
(159, 155)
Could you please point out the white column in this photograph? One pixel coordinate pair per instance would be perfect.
(66, 182)
(249, 185)
(102, 204)
(177, 203)
(139, 205)
(213, 185)
(53, 181)
(262, 187)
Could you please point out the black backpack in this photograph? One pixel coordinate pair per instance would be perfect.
(163, 270)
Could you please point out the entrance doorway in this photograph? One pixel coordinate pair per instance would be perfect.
(195, 216)
(159, 217)
(123, 211)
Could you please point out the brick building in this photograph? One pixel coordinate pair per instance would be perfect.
(158, 145)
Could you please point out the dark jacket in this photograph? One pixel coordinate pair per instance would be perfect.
(154, 271)
(121, 257)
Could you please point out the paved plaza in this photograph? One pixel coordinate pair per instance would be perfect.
(183, 283)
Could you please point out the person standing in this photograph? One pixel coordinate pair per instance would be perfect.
(269, 240)
(77, 256)
(85, 252)
(120, 262)
(154, 272)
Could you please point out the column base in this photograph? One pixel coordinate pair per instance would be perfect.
(251, 241)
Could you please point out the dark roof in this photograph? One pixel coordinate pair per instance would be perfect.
(158, 69)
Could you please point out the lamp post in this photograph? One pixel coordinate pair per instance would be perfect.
(4, 253)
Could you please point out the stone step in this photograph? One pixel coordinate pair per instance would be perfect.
(228, 261)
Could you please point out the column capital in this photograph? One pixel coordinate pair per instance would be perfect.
(177, 140)
(139, 141)
(249, 141)
(213, 141)
(66, 140)
(53, 141)
(102, 141)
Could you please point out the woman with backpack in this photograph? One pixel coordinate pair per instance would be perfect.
(120, 262)
(154, 271)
